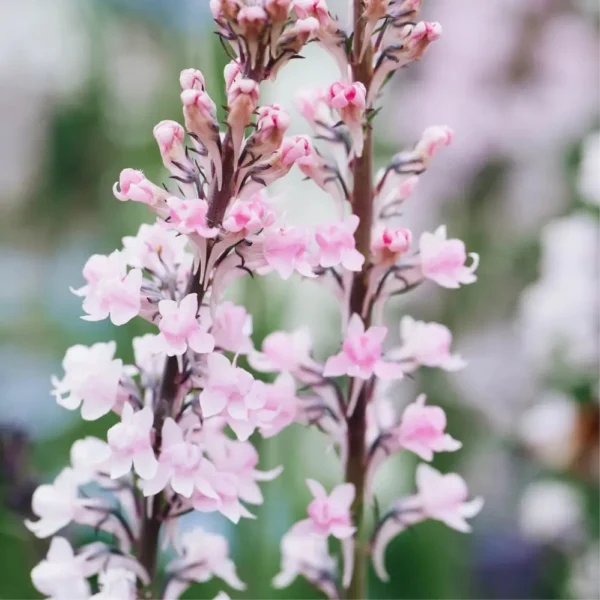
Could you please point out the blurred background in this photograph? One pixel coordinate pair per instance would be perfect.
(84, 82)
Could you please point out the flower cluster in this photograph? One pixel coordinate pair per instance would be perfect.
(186, 410)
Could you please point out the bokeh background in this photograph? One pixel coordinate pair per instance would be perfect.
(83, 83)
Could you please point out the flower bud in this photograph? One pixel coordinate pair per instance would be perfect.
(231, 72)
(242, 99)
(434, 138)
(200, 114)
(192, 79)
(170, 136)
(350, 102)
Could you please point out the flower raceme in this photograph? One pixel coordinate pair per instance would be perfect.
(187, 411)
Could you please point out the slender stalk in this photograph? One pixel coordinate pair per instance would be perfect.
(218, 200)
(362, 206)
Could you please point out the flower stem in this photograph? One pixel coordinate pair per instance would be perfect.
(362, 206)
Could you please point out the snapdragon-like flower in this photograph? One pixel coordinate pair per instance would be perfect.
(61, 574)
(285, 250)
(179, 465)
(444, 498)
(155, 248)
(91, 380)
(116, 583)
(426, 344)
(337, 245)
(304, 554)
(58, 504)
(232, 328)
(111, 291)
(329, 515)
(232, 392)
(389, 244)
(189, 216)
(361, 354)
(203, 555)
(422, 430)
(349, 99)
(283, 352)
(130, 444)
(249, 216)
(241, 459)
(440, 497)
(271, 124)
(280, 408)
(180, 328)
(443, 260)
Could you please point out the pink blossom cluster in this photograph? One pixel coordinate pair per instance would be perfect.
(187, 409)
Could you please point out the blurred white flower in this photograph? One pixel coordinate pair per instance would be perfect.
(589, 170)
(585, 576)
(550, 511)
(559, 313)
(548, 429)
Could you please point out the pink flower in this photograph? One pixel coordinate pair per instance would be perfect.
(241, 459)
(280, 408)
(421, 35)
(422, 430)
(312, 8)
(286, 250)
(232, 328)
(439, 497)
(249, 216)
(180, 329)
(361, 354)
(311, 105)
(133, 185)
(307, 555)
(130, 443)
(232, 392)
(296, 149)
(389, 243)
(330, 515)
(57, 504)
(337, 245)
(433, 139)
(192, 79)
(426, 344)
(170, 136)
(149, 358)
(203, 555)
(110, 291)
(61, 574)
(283, 352)
(349, 99)
(443, 260)
(156, 248)
(189, 216)
(91, 380)
(226, 499)
(444, 498)
(271, 124)
(179, 465)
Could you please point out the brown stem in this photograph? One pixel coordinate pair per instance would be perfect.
(218, 200)
(362, 206)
